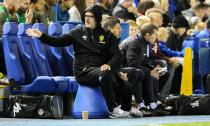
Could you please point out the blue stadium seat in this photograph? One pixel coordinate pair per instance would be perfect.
(68, 51)
(15, 66)
(67, 22)
(62, 83)
(201, 60)
(11, 53)
(90, 99)
(55, 53)
(40, 52)
(125, 31)
(66, 29)
(26, 53)
(69, 57)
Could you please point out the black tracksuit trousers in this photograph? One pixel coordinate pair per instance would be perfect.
(135, 77)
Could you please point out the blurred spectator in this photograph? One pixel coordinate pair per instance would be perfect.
(20, 13)
(196, 26)
(189, 12)
(142, 20)
(115, 2)
(106, 6)
(165, 18)
(153, 10)
(200, 26)
(62, 9)
(206, 32)
(7, 14)
(178, 33)
(156, 19)
(74, 13)
(175, 60)
(112, 24)
(164, 7)
(200, 10)
(133, 28)
(49, 10)
(125, 10)
(35, 14)
(194, 21)
(172, 9)
(175, 41)
(162, 36)
(143, 6)
(7, 9)
(181, 5)
(89, 3)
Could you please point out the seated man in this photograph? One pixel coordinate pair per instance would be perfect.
(130, 75)
(137, 53)
(97, 57)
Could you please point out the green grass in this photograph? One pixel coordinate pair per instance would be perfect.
(188, 124)
(181, 124)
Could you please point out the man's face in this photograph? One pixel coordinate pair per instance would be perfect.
(90, 20)
(39, 5)
(133, 30)
(90, 2)
(181, 31)
(128, 3)
(68, 3)
(158, 20)
(24, 5)
(116, 30)
(151, 38)
(13, 6)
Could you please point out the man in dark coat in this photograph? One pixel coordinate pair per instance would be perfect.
(136, 53)
(97, 57)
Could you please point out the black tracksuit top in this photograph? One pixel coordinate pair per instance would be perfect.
(134, 53)
(92, 48)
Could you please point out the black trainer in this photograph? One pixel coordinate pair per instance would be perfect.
(146, 112)
(166, 107)
(159, 111)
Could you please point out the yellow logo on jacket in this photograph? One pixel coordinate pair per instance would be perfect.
(101, 39)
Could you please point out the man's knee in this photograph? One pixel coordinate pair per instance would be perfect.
(107, 75)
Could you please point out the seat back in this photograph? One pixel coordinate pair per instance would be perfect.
(40, 53)
(55, 53)
(201, 60)
(26, 53)
(68, 51)
(125, 31)
(66, 29)
(11, 52)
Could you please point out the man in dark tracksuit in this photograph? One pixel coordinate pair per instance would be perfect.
(97, 57)
(136, 53)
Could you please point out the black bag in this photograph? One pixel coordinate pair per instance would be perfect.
(35, 106)
(190, 105)
(3, 107)
(195, 105)
(173, 101)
